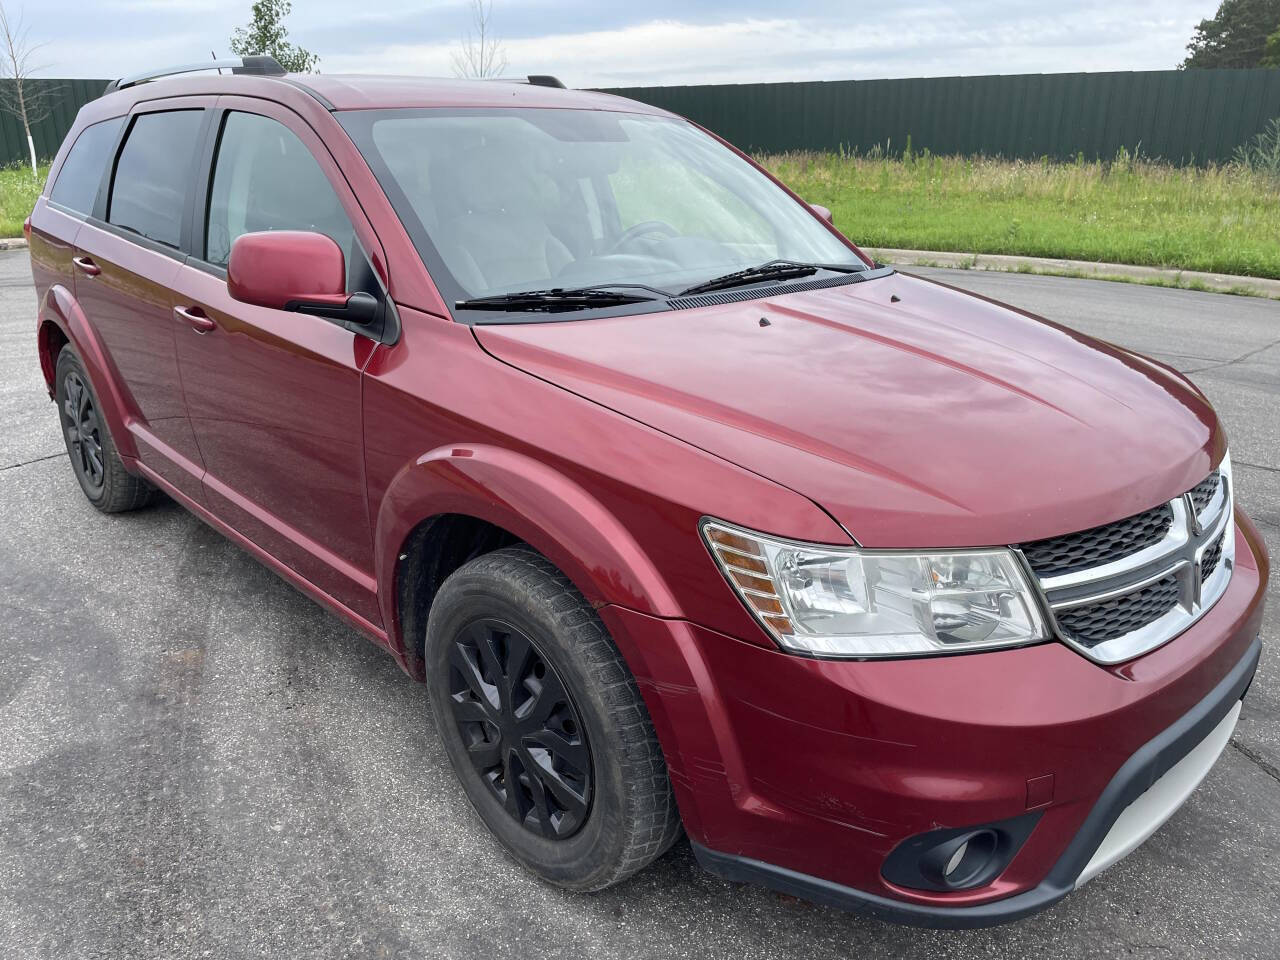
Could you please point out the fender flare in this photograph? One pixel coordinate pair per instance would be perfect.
(61, 308)
(530, 500)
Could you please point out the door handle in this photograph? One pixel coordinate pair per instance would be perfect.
(87, 266)
(195, 318)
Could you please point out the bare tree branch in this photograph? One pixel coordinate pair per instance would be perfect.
(28, 100)
(481, 55)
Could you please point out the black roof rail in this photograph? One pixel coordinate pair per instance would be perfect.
(545, 80)
(260, 65)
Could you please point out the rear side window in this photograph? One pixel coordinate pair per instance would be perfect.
(265, 178)
(153, 175)
(81, 175)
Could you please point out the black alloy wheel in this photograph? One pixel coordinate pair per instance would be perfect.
(520, 727)
(84, 433)
(106, 482)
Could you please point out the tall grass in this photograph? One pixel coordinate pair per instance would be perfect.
(1262, 153)
(1223, 219)
(18, 192)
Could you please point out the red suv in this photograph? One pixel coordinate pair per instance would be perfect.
(690, 515)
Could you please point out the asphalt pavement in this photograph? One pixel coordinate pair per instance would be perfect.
(198, 761)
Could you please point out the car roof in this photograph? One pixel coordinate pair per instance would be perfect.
(373, 92)
(365, 92)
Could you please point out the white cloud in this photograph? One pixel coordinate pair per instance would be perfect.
(593, 44)
(664, 52)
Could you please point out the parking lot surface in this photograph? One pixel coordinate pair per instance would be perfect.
(196, 760)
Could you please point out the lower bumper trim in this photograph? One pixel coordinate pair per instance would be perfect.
(826, 893)
(1148, 813)
(1151, 762)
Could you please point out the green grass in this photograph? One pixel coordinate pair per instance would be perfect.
(1218, 219)
(18, 192)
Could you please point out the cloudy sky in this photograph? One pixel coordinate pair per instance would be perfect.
(650, 42)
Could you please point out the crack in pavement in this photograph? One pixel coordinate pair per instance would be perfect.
(27, 463)
(1255, 466)
(1255, 757)
(1240, 359)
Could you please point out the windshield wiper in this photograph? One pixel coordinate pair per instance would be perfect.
(560, 298)
(770, 270)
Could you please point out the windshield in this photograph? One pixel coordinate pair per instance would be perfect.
(501, 201)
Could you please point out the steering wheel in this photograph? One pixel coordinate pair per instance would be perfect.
(643, 229)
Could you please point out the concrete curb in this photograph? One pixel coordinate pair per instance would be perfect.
(13, 243)
(1190, 279)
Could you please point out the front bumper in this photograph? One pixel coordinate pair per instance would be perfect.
(805, 774)
(1176, 761)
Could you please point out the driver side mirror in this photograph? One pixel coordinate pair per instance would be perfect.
(298, 271)
(823, 212)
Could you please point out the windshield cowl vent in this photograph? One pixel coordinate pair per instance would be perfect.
(719, 297)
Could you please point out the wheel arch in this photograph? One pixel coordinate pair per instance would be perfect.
(49, 343)
(63, 323)
(454, 503)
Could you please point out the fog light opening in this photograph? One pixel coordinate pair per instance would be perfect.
(957, 858)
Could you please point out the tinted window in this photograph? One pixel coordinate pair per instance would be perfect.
(266, 179)
(153, 174)
(81, 173)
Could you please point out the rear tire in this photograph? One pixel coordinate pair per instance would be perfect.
(544, 724)
(97, 466)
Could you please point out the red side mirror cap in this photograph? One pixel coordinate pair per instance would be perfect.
(279, 268)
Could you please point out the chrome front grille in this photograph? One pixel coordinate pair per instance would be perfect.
(1202, 493)
(1210, 561)
(1119, 590)
(1097, 623)
(1090, 548)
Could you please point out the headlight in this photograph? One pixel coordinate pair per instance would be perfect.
(848, 602)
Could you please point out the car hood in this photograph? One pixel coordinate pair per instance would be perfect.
(916, 414)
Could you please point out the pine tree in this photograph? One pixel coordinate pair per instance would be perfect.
(1236, 35)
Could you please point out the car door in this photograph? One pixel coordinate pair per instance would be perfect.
(127, 257)
(275, 396)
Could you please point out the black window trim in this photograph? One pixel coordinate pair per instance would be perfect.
(99, 216)
(195, 210)
(202, 190)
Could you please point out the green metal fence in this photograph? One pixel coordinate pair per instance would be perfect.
(1184, 116)
(1180, 115)
(64, 97)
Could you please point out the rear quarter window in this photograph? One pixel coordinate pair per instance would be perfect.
(154, 173)
(81, 175)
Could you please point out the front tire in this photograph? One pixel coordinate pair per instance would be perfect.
(544, 724)
(97, 466)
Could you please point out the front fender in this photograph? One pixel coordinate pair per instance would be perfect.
(530, 500)
(60, 307)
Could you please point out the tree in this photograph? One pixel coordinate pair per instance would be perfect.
(1271, 52)
(20, 96)
(481, 54)
(1236, 35)
(266, 33)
